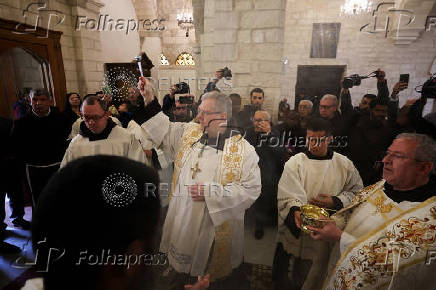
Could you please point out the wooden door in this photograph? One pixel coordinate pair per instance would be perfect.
(46, 49)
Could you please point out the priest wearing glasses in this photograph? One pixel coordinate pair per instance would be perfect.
(99, 135)
(216, 178)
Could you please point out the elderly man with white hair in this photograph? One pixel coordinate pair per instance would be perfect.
(305, 109)
(328, 110)
(272, 157)
(383, 237)
(216, 178)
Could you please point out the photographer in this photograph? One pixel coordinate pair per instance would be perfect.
(219, 74)
(377, 134)
(169, 101)
(183, 111)
(410, 116)
(257, 97)
(354, 114)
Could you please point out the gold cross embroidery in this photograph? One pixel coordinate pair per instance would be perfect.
(195, 170)
(381, 206)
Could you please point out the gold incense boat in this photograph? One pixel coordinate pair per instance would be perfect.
(311, 216)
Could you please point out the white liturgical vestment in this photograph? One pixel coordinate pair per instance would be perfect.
(119, 143)
(304, 178)
(384, 244)
(201, 236)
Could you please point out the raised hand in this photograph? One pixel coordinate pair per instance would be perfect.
(146, 89)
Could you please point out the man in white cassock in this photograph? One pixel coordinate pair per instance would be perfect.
(386, 238)
(216, 178)
(321, 177)
(99, 135)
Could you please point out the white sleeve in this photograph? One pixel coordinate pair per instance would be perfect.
(231, 201)
(136, 152)
(352, 186)
(139, 134)
(68, 157)
(75, 128)
(116, 121)
(346, 241)
(164, 134)
(290, 189)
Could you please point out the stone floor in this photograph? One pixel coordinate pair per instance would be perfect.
(259, 251)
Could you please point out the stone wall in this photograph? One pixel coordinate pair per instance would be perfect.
(361, 52)
(264, 41)
(246, 36)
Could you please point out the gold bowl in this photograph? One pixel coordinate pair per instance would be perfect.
(311, 216)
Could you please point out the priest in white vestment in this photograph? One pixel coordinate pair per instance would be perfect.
(99, 135)
(75, 128)
(321, 177)
(216, 178)
(395, 215)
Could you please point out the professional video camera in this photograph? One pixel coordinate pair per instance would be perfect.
(429, 88)
(356, 80)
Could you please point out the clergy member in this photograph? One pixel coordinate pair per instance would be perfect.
(99, 135)
(75, 128)
(320, 177)
(395, 215)
(216, 178)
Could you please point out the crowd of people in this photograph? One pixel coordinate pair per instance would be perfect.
(371, 167)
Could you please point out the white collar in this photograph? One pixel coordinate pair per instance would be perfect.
(49, 110)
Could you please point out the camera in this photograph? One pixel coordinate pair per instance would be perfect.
(227, 73)
(189, 100)
(355, 80)
(429, 88)
(182, 88)
(351, 81)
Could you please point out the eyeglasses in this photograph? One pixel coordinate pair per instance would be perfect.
(181, 108)
(207, 113)
(94, 118)
(260, 120)
(326, 107)
(395, 155)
